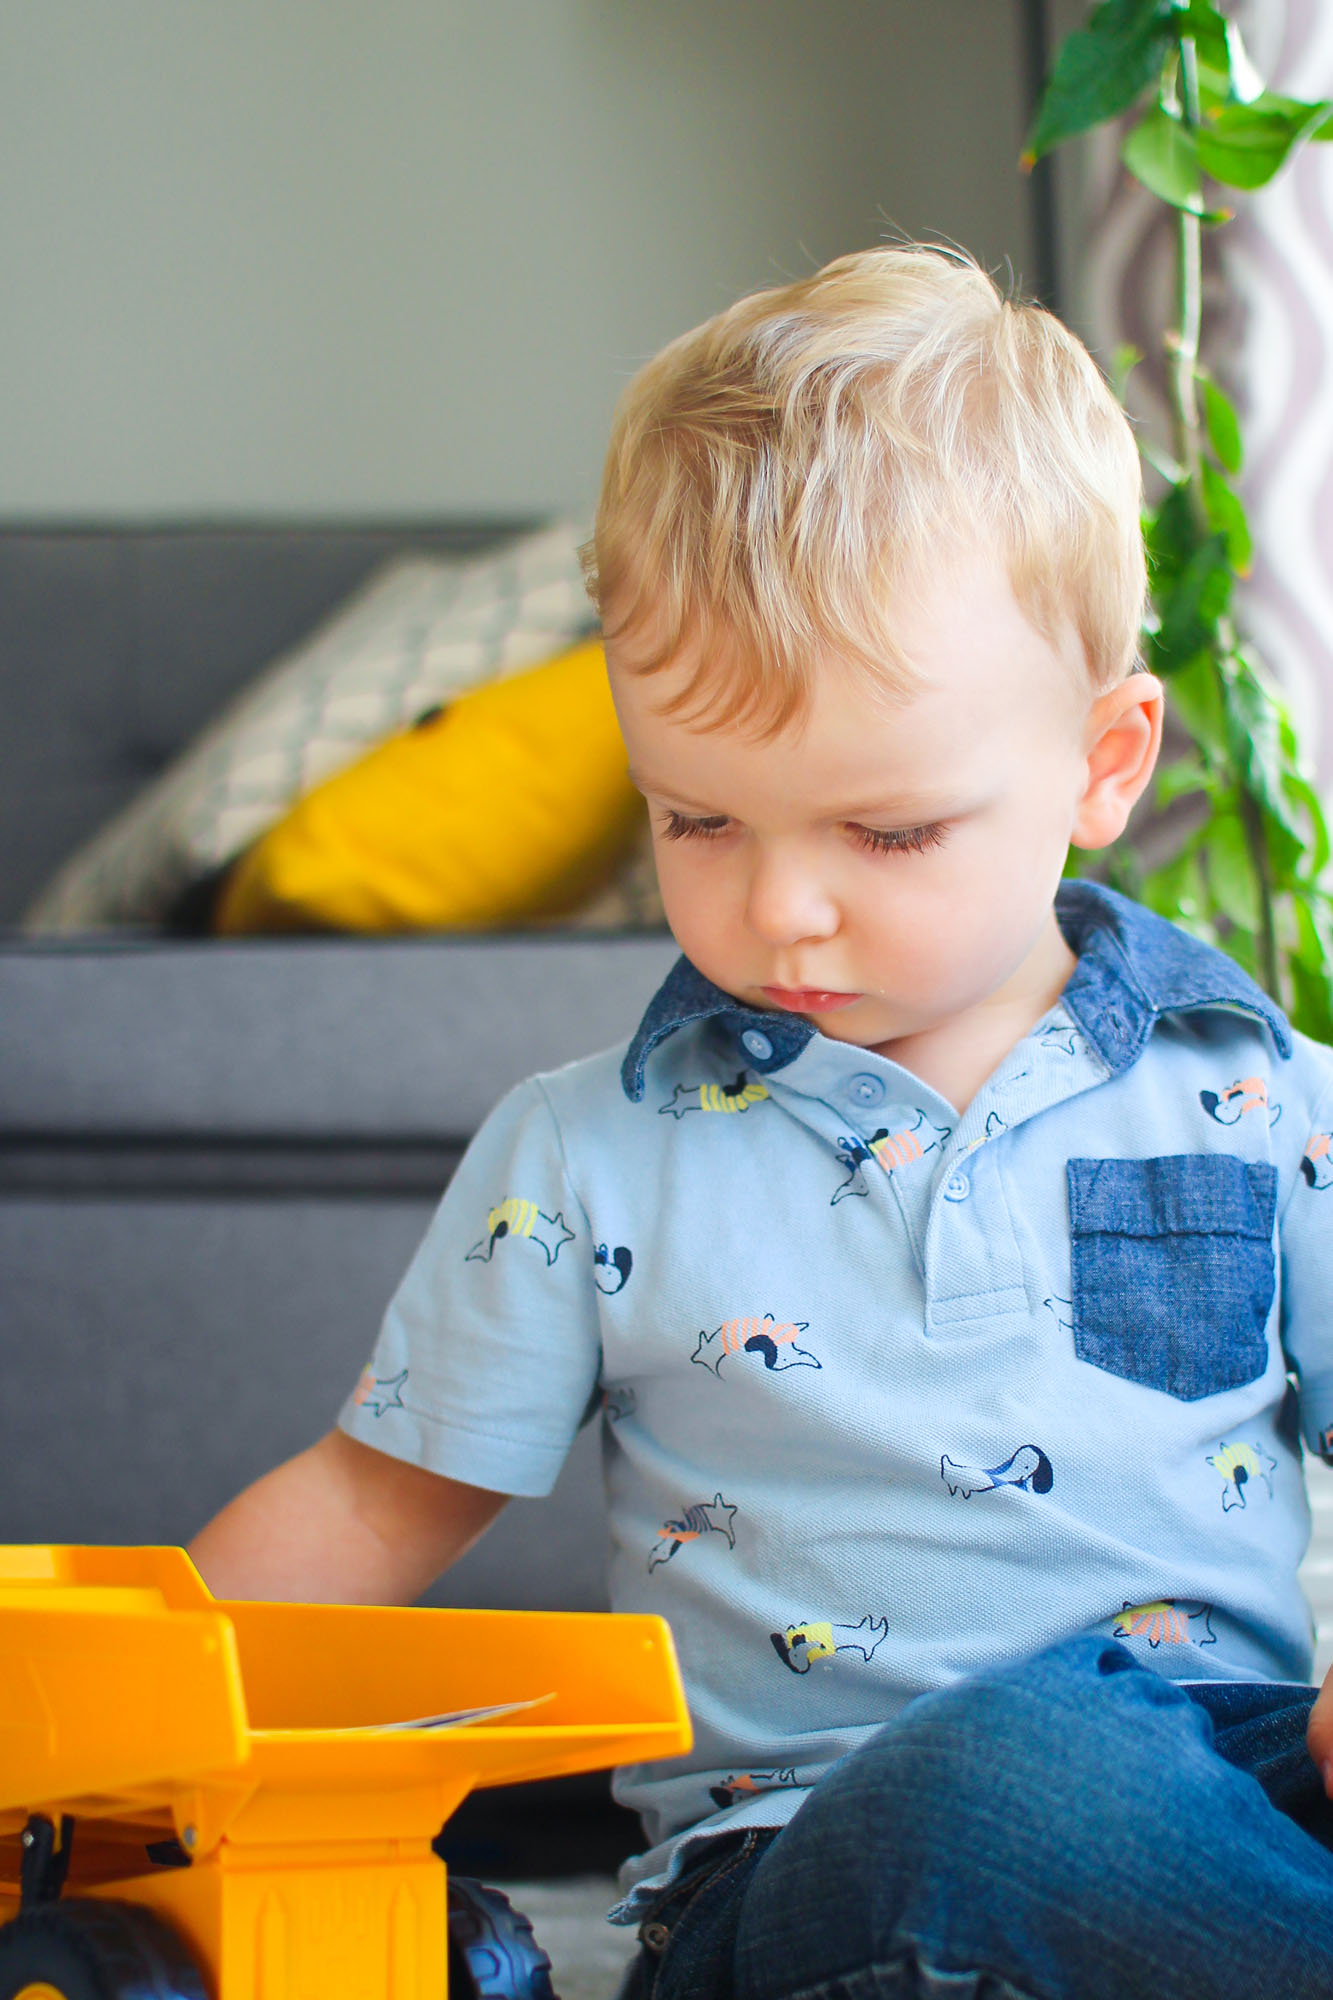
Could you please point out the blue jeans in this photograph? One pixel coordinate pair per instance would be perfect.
(1070, 1827)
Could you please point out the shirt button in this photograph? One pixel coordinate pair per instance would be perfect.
(865, 1089)
(958, 1187)
(656, 1936)
(756, 1045)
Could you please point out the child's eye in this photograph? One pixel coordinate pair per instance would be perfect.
(677, 826)
(881, 840)
(901, 839)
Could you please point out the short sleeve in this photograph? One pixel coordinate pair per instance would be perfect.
(1307, 1279)
(490, 1350)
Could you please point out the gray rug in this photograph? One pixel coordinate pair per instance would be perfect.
(587, 1954)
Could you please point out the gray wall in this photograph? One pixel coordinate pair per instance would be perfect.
(332, 258)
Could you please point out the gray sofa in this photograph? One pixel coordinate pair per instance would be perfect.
(216, 1156)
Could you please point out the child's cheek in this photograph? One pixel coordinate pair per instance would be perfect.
(694, 900)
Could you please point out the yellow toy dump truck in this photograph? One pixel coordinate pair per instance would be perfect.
(236, 1801)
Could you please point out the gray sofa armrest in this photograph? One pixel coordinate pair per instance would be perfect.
(215, 1162)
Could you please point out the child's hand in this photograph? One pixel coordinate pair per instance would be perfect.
(1319, 1732)
(341, 1524)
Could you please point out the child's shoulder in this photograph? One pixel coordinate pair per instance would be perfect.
(628, 1083)
(588, 1088)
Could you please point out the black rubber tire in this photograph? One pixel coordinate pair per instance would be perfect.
(493, 1954)
(90, 1949)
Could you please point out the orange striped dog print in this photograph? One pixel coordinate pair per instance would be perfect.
(773, 1340)
(1166, 1623)
(889, 1150)
(1316, 1162)
(707, 1517)
(1248, 1093)
(737, 1785)
(378, 1393)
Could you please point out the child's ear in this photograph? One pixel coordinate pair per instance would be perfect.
(1123, 736)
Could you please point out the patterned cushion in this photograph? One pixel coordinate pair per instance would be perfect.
(422, 630)
(510, 806)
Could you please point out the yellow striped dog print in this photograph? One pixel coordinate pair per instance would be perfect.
(732, 1097)
(515, 1217)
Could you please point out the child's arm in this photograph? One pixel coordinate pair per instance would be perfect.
(341, 1524)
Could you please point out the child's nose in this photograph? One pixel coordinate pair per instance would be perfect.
(788, 901)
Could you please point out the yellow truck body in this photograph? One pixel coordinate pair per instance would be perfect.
(258, 1736)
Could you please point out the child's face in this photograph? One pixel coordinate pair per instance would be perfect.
(882, 870)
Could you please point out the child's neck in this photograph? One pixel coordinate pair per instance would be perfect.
(956, 1057)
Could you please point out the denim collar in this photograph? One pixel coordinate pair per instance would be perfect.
(1132, 968)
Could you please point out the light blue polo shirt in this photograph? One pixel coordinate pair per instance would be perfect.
(891, 1395)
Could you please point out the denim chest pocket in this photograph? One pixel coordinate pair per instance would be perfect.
(1172, 1269)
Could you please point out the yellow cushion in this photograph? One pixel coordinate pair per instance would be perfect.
(512, 804)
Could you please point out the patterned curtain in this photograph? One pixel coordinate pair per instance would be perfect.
(1268, 318)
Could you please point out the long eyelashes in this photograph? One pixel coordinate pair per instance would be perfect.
(903, 839)
(678, 827)
(880, 840)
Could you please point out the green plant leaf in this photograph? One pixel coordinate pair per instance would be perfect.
(1119, 868)
(1124, 361)
(1171, 535)
(1253, 716)
(1176, 891)
(1203, 22)
(1228, 869)
(1191, 606)
(1240, 944)
(1246, 83)
(1226, 514)
(1308, 967)
(1100, 70)
(1223, 424)
(1196, 697)
(1224, 66)
(1177, 780)
(1244, 145)
(1160, 151)
(1286, 848)
(1311, 1010)
(1317, 845)
(1214, 89)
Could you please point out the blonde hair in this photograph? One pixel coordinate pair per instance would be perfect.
(777, 474)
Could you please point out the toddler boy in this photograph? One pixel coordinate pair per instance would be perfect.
(946, 1251)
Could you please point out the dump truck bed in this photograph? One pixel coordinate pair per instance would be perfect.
(129, 1694)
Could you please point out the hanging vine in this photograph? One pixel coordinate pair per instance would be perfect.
(1251, 875)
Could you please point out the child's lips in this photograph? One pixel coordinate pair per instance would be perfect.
(807, 999)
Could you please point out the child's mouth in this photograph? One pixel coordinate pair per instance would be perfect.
(806, 1000)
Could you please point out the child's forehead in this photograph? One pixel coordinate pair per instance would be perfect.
(969, 668)
(951, 627)
(849, 757)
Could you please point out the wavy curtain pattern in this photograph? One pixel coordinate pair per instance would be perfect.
(1268, 324)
